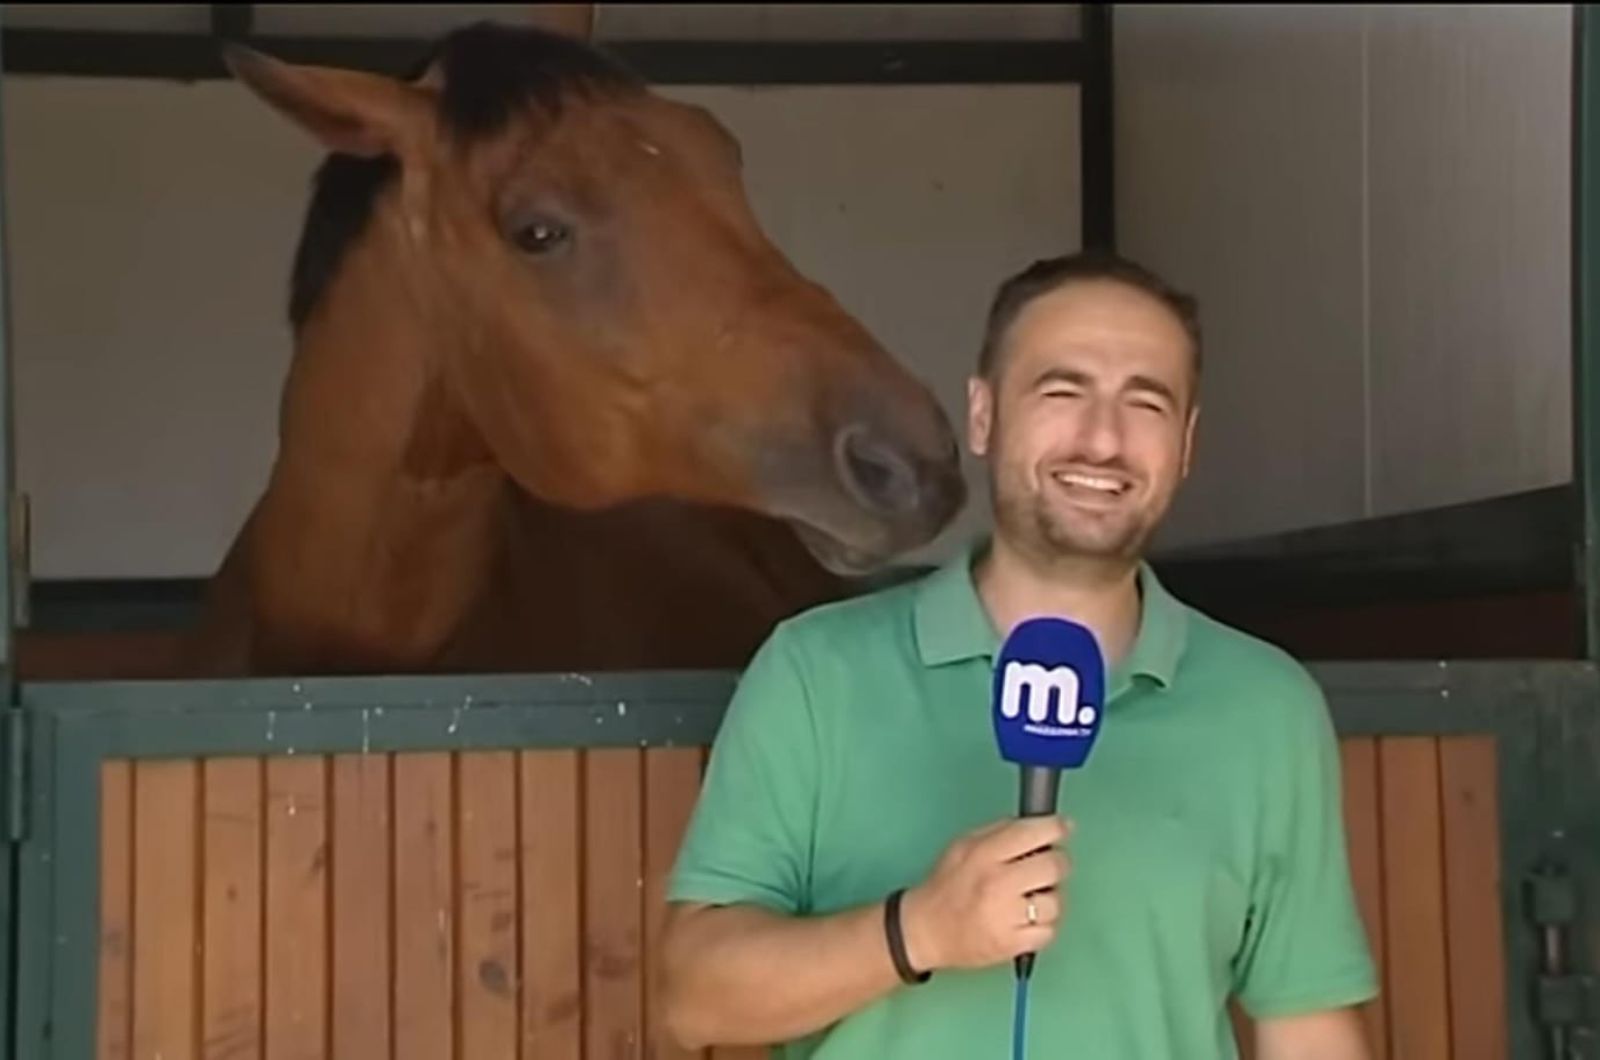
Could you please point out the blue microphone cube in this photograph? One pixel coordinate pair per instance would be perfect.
(1049, 693)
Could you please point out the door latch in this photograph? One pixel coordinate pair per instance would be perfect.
(1565, 1002)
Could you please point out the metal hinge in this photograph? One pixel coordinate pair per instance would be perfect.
(1565, 1002)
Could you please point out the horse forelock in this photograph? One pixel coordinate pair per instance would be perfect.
(483, 75)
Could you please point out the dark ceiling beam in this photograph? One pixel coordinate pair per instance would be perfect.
(195, 57)
(1097, 130)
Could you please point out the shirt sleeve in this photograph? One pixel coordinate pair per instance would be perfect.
(1305, 947)
(750, 835)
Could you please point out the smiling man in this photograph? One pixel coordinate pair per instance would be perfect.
(853, 882)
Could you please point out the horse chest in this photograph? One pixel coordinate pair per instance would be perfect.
(633, 589)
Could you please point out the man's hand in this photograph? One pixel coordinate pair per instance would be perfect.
(1338, 1034)
(973, 911)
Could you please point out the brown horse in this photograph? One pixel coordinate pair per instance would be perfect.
(556, 401)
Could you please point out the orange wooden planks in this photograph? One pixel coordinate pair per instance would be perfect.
(425, 1000)
(166, 900)
(487, 971)
(552, 855)
(613, 907)
(231, 1017)
(1476, 945)
(1414, 946)
(296, 908)
(362, 879)
(511, 903)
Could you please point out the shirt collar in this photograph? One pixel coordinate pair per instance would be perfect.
(952, 625)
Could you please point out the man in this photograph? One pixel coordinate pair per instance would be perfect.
(854, 882)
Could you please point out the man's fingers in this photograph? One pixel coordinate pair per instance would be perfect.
(1046, 909)
(1015, 839)
(1035, 939)
(978, 835)
(1039, 872)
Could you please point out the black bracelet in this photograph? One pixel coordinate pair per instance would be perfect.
(897, 942)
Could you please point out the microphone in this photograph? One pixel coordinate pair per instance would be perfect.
(1049, 694)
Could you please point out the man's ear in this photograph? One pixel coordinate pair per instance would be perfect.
(350, 112)
(1188, 440)
(980, 415)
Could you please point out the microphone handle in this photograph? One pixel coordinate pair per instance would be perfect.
(1037, 798)
(1038, 794)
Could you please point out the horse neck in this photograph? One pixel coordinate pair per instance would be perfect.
(653, 584)
(377, 529)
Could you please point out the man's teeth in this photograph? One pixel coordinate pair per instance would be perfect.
(1093, 482)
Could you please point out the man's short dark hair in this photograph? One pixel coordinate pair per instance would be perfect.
(1049, 274)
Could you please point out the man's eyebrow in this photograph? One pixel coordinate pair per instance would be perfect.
(1059, 374)
(1155, 386)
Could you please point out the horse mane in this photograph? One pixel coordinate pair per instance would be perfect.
(490, 71)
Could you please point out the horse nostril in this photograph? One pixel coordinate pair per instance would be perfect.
(879, 476)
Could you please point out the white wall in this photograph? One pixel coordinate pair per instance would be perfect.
(151, 227)
(1372, 205)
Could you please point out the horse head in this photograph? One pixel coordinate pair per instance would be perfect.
(613, 322)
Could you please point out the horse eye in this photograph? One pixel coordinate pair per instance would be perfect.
(539, 235)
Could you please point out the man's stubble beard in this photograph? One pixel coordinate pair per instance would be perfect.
(1027, 521)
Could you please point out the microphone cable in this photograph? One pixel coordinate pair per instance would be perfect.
(1022, 965)
(1019, 1026)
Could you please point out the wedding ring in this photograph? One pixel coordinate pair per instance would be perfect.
(1033, 912)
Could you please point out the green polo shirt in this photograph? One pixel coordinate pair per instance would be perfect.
(1208, 858)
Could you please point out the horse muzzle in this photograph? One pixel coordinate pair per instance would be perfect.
(867, 500)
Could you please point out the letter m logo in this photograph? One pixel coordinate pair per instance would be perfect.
(1037, 683)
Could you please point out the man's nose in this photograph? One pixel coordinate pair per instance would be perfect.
(1100, 430)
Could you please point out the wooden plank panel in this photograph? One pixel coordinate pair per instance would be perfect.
(424, 907)
(488, 972)
(114, 1019)
(1421, 816)
(1364, 839)
(613, 871)
(296, 908)
(1472, 899)
(551, 838)
(671, 784)
(1416, 975)
(230, 1026)
(165, 907)
(362, 882)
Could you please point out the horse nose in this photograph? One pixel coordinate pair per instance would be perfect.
(878, 474)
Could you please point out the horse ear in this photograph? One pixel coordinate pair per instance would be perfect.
(572, 20)
(351, 112)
